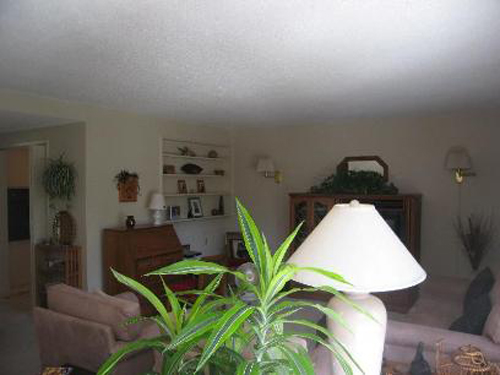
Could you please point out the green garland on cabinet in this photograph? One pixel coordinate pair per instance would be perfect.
(355, 182)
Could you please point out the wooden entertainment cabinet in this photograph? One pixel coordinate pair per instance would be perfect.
(402, 213)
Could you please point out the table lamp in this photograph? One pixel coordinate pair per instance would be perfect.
(354, 241)
(157, 205)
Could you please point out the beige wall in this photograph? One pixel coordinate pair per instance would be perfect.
(413, 148)
(17, 160)
(111, 141)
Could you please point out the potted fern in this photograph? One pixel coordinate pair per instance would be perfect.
(223, 334)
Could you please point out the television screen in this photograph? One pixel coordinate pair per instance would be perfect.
(18, 214)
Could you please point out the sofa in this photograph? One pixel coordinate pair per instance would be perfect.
(83, 329)
(440, 303)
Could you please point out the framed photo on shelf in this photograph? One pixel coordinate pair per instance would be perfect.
(182, 187)
(174, 212)
(200, 186)
(235, 247)
(195, 207)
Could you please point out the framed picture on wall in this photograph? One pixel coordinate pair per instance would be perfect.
(182, 187)
(195, 207)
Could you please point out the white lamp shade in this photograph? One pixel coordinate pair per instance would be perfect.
(265, 165)
(458, 158)
(354, 241)
(157, 202)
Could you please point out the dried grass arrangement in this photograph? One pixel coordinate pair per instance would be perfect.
(476, 235)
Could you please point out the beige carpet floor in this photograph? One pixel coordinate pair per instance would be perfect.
(18, 348)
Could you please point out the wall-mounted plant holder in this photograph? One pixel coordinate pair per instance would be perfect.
(127, 184)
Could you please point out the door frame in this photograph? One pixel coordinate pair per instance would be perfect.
(30, 145)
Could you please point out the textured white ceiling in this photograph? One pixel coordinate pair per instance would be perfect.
(256, 61)
(15, 121)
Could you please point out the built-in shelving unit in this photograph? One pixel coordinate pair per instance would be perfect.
(198, 219)
(205, 158)
(185, 175)
(211, 186)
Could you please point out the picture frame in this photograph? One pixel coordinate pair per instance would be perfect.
(371, 163)
(181, 187)
(235, 248)
(200, 186)
(175, 212)
(169, 169)
(195, 207)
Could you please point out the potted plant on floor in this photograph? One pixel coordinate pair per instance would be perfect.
(225, 335)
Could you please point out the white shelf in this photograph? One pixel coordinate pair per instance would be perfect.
(192, 175)
(204, 218)
(178, 156)
(223, 193)
(195, 143)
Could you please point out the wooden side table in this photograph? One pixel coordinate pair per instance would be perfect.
(56, 264)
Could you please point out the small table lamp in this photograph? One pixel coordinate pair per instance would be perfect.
(157, 205)
(354, 241)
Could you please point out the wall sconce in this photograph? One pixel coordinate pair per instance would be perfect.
(459, 161)
(266, 167)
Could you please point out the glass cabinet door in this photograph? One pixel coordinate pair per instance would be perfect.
(300, 215)
(320, 209)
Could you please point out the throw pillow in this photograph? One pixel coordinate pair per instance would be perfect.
(492, 326)
(474, 317)
(482, 283)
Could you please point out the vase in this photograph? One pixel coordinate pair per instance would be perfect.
(130, 222)
(63, 228)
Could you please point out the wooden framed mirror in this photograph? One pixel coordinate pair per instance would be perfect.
(370, 163)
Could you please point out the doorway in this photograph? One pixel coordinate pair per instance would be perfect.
(23, 220)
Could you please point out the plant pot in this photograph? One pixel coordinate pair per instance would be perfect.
(63, 228)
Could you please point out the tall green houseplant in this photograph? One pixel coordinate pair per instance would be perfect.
(225, 335)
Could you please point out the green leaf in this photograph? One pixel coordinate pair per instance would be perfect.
(248, 368)
(190, 267)
(228, 325)
(299, 362)
(171, 363)
(108, 366)
(279, 281)
(329, 274)
(209, 289)
(196, 329)
(149, 295)
(346, 300)
(252, 238)
(174, 304)
(279, 255)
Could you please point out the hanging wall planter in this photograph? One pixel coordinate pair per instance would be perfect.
(128, 187)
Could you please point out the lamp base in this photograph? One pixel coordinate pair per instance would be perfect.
(365, 341)
(157, 217)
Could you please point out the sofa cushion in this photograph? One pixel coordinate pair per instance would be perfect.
(105, 309)
(492, 326)
(474, 317)
(481, 284)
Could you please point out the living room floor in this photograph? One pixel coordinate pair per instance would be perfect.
(18, 348)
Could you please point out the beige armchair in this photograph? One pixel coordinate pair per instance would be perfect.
(84, 329)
